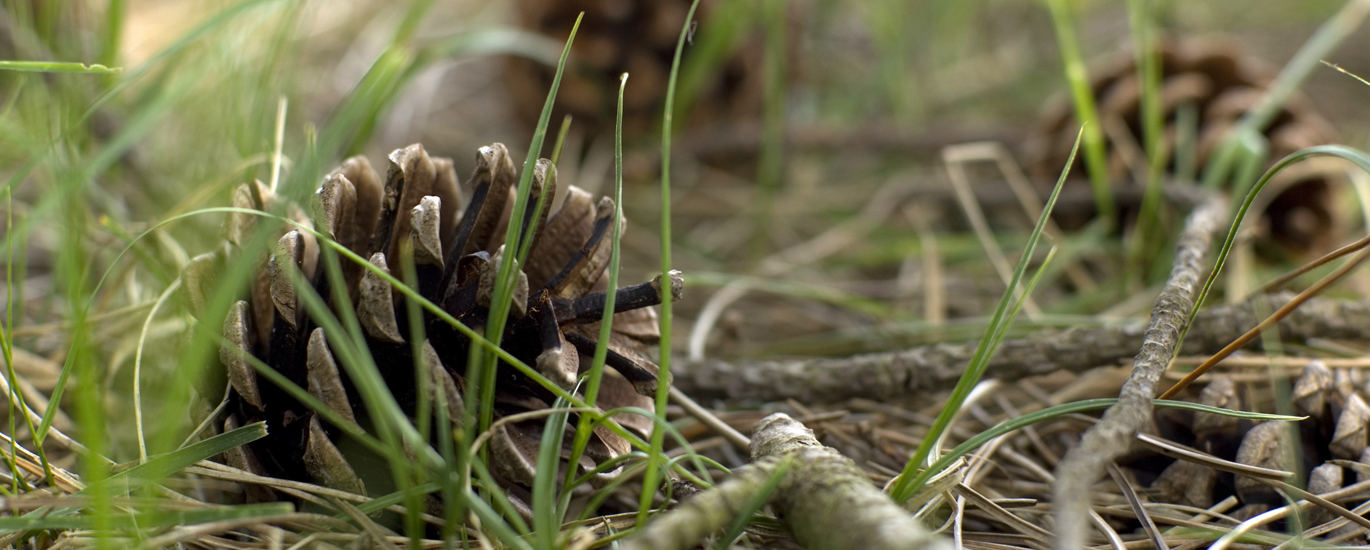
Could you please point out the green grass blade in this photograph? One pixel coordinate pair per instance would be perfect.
(754, 503)
(517, 241)
(1332, 33)
(888, 22)
(561, 139)
(16, 398)
(162, 466)
(114, 32)
(1355, 156)
(546, 522)
(1146, 55)
(1096, 158)
(770, 172)
(651, 475)
(404, 34)
(1057, 411)
(423, 382)
(496, 40)
(594, 378)
(1186, 136)
(1291, 76)
(57, 67)
(980, 360)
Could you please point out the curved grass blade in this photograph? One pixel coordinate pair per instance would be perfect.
(1355, 156)
(518, 240)
(917, 482)
(984, 351)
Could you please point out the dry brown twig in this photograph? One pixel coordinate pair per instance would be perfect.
(1113, 435)
(894, 375)
(1283, 311)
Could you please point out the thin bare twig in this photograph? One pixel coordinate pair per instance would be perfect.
(707, 418)
(1112, 436)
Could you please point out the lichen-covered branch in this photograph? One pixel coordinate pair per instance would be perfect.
(937, 367)
(825, 500)
(1112, 435)
(703, 514)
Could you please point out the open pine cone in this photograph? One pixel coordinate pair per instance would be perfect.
(1196, 474)
(1221, 84)
(1336, 428)
(457, 244)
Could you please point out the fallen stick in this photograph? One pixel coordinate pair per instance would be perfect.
(825, 500)
(893, 375)
(703, 514)
(1113, 434)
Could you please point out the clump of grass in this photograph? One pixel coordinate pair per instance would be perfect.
(450, 467)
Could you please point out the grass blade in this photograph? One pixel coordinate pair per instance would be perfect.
(969, 445)
(1096, 159)
(651, 475)
(175, 461)
(596, 375)
(546, 523)
(980, 360)
(1359, 158)
(754, 503)
(57, 67)
(517, 241)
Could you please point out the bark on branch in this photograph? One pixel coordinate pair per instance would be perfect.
(1112, 435)
(892, 375)
(825, 500)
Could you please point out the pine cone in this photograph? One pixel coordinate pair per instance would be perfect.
(553, 323)
(1221, 84)
(1166, 468)
(617, 36)
(1336, 427)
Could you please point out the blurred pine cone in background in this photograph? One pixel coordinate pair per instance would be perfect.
(456, 234)
(1335, 429)
(637, 37)
(1219, 84)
